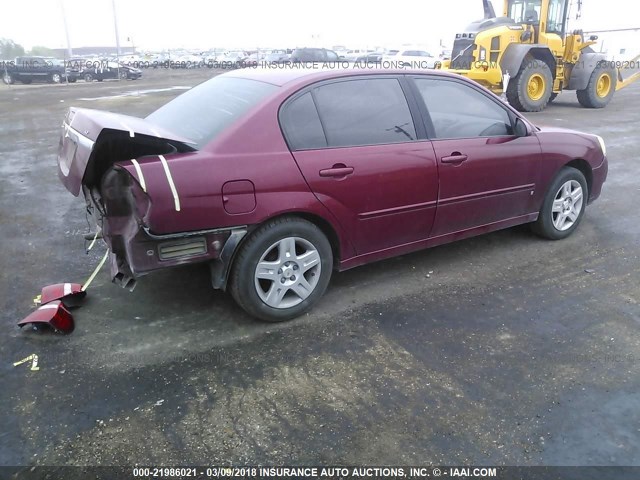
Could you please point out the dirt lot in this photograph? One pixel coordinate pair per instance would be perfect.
(503, 349)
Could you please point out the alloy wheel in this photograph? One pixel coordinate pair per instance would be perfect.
(567, 205)
(288, 272)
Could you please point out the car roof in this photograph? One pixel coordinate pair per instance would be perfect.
(284, 76)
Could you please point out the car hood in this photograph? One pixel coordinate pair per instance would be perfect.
(547, 129)
(94, 140)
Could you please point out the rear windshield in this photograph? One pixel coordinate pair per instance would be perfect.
(203, 112)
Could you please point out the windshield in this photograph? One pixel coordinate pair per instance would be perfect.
(203, 112)
(525, 11)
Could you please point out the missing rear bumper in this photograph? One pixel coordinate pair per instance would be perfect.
(145, 253)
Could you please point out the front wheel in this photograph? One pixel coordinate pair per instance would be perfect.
(531, 89)
(563, 206)
(282, 270)
(8, 78)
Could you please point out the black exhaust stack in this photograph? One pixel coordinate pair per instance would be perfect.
(489, 12)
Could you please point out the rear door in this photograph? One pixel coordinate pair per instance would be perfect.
(487, 174)
(357, 145)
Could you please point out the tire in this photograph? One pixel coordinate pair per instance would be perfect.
(123, 74)
(88, 77)
(556, 204)
(272, 295)
(531, 89)
(8, 79)
(55, 78)
(600, 89)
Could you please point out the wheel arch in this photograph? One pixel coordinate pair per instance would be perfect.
(517, 53)
(220, 272)
(323, 224)
(585, 168)
(582, 70)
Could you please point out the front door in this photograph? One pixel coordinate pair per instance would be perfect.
(487, 174)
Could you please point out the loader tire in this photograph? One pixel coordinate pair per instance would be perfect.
(600, 89)
(531, 89)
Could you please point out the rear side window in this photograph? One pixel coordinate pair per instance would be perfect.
(203, 112)
(364, 112)
(301, 124)
(460, 111)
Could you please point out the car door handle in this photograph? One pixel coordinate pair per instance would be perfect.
(455, 157)
(338, 170)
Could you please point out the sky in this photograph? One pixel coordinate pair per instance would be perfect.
(205, 24)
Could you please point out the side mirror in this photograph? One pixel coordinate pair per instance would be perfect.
(519, 128)
(526, 36)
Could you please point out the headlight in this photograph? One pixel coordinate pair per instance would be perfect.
(602, 145)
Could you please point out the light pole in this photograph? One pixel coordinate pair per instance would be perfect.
(66, 29)
(115, 25)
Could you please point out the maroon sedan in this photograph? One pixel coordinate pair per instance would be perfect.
(276, 178)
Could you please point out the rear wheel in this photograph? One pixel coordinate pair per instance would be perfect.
(55, 78)
(88, 77)
(600, 89)
(531, 89)
(123, 74)
(282, 270)
(563, 206)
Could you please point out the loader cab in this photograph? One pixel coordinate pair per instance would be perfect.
(547, 19)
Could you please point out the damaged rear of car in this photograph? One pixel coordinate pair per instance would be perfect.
(127, 169)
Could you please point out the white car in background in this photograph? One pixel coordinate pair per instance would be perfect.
(412, 58)
(353, 55)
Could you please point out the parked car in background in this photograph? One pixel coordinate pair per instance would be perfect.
(445, 54)
(28, 69)
(278, 177)
(353, 55)
(234, 56)
(108, 70)
(187, 60)
(277, 57)
(341, 50)
(372, 57)
(256, 57)
(305, 55)
(413, 59)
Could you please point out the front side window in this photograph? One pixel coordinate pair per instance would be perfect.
(364, 112)
(525, 11)
(460, 111)
(555, 19)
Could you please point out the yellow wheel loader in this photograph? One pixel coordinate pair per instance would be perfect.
(528, 56)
